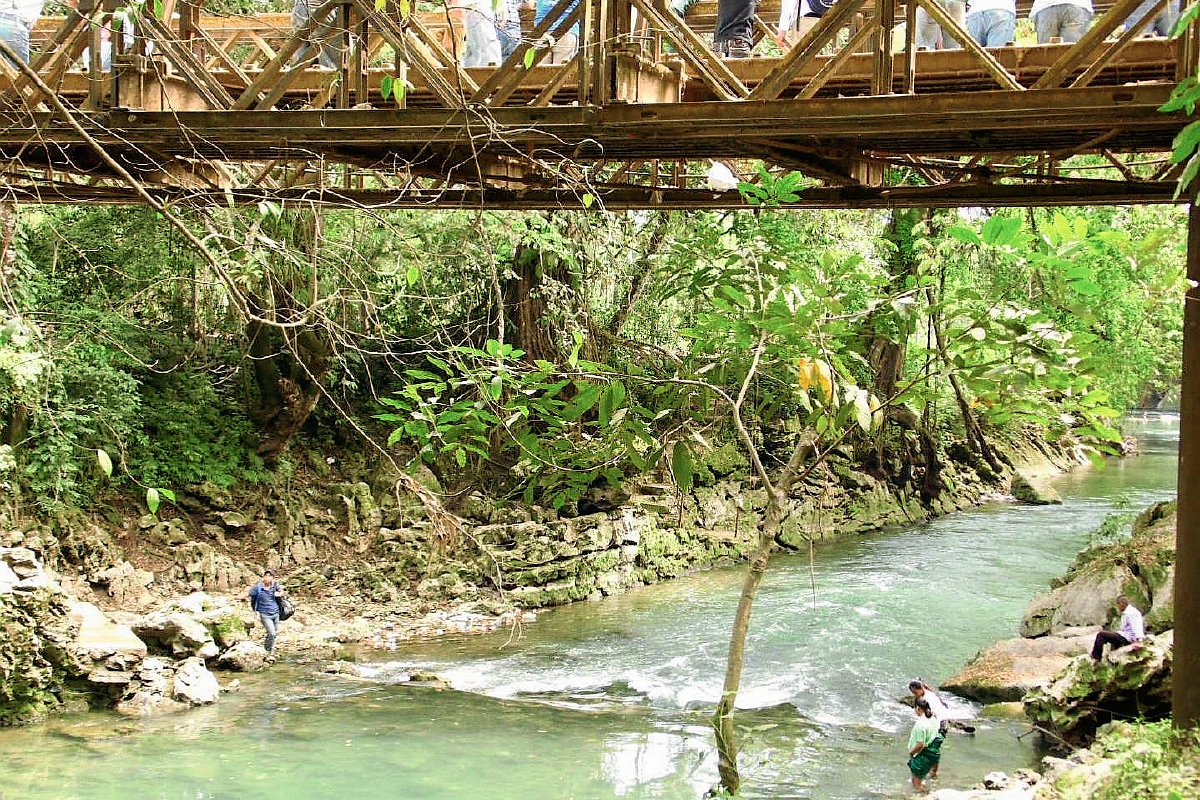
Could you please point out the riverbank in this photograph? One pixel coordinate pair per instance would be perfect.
(1074, 701)
(380, 562)
(599, 700)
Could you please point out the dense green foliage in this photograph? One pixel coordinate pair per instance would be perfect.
(551, 351)
(1144, 760)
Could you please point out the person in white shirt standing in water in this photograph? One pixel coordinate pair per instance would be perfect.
(938, 707)
(1132, 629)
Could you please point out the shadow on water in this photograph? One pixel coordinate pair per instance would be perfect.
(612, 699)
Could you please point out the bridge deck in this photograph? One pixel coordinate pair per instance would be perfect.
(210, 108)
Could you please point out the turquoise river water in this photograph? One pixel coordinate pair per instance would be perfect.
(611, 699)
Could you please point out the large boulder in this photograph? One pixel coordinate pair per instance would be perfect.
(1128, 683)
(1033, 491)
(1007, 670)
(194, 684)
(176, 633)
(1087, 600)
(150, 691)
(245, 656)
(223, 620)
(1142, 567)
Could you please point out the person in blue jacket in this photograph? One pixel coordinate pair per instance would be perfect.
(264, 601)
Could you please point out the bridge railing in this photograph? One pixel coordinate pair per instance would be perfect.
(632, 51)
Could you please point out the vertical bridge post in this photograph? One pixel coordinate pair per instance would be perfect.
(1185, 697)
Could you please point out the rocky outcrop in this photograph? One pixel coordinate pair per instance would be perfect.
(1142, 567)
(1060, 624)
(55, 653)
(1007, 670)
(1130, 683)
(196, 625)
(1033, 491)
(161, 686)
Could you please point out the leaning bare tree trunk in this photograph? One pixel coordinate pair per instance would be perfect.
(727, 747)
(773, 517)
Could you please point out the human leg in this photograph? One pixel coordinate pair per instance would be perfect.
(957, 9)
(483, 43)
(565, 48)
(271, 624)
(1074, 24)
(929, 33)
(15, 33)
(1001, 28)
(734, 21)
(1107, 637)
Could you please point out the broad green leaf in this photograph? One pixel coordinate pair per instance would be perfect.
(588, 199)
(387, 81)
(964, 235)
(530, 55)
(681, 466)
(106, 465)
(152, 500)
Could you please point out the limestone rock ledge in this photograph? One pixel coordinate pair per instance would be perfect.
(1004, 672)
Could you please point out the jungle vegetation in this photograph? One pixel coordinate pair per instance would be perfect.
(542, 355)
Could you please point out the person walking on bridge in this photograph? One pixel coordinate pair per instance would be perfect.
(735, 21)
(1160, 25)
(17, 18)
(992, 23)
(1065, 20)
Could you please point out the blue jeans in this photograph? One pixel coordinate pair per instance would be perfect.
(271, 623)
(15, 34)
(735, 20)
(1160, 25)
(321, 38)
(1065, 21)
(930, 34)
(993, 28)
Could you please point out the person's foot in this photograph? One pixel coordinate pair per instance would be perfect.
(738, 48)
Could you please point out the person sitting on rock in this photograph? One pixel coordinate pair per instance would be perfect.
(1132, 629)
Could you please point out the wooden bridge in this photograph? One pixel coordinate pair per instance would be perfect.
(202, 108)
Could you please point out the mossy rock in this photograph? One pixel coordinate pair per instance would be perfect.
(228, 629)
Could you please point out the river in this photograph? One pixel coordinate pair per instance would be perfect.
(611, 699)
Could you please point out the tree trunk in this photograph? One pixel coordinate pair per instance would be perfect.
(727, 746)
(534, 322)
(976, 440)
(777, 510)
(288, 363)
